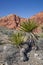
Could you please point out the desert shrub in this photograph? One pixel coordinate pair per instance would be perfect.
(17, 39)
(28, 26)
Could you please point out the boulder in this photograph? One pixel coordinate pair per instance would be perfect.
(40, 43)
(9, 54)
(23, 55)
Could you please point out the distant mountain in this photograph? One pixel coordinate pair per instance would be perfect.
(13, 21)
(38, 18)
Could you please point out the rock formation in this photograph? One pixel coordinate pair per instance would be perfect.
(38, 18)
(13, 22)
(26, 55)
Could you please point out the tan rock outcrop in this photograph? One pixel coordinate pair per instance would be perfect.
(38, 18)
(13, 22)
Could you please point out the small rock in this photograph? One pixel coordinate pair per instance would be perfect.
(35, 54)
(6, 63)
(9, 54)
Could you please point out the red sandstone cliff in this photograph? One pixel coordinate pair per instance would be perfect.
(12, 21)
(39, 19)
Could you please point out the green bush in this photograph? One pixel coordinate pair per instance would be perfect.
(17, 38)
(28, 26)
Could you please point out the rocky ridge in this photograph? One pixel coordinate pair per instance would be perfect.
(13, 21)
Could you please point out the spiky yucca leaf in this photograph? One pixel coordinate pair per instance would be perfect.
(17, 38)
(28, 26)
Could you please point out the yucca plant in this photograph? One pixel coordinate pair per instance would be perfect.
(17, 39)
(28, 26)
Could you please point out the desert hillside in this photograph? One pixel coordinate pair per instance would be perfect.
(13, 21)
(18, 47)
(38, 18)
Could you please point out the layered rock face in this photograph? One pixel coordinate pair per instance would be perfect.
(13, 22)
(38, 18)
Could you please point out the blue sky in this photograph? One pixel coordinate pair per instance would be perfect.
(23, 8)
